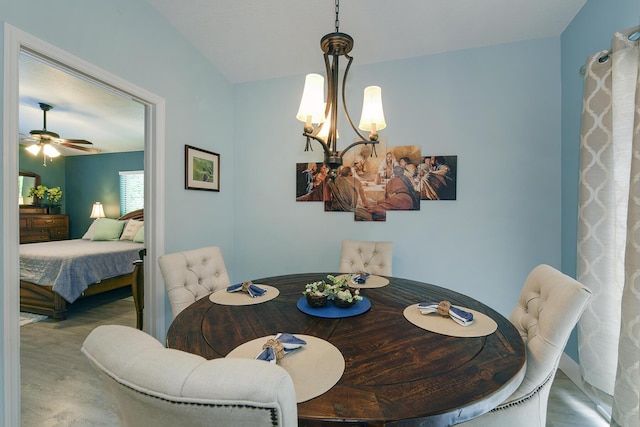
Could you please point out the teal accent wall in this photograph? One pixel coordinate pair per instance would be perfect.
(96, 178)
(590, 32)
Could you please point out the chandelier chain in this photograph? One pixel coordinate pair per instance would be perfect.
(337, 19)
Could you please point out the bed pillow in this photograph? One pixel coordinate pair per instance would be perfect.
(89, 234)
(107, 229)
(139, 237)
(131, 229)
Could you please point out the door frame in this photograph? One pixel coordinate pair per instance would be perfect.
(15, 41)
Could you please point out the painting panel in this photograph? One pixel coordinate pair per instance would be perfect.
(438, 178)
(310, 181)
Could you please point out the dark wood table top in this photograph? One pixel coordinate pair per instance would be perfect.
(395, 372)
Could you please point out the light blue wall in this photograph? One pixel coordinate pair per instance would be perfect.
(131, 40)
(496, 108)
(589, 32)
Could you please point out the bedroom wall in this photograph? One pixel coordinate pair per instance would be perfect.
(496, 108)
(589, 32)
(96, 179)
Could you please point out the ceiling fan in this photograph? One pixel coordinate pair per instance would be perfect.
(44, 137)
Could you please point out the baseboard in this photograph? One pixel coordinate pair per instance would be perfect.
(571, 370)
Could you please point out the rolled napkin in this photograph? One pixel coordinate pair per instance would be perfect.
(253, 290)
(360, 278)
(445, 308)
(279, 346)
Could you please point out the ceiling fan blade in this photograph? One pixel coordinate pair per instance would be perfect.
(25, 137)
(79, 147)
(74, 141)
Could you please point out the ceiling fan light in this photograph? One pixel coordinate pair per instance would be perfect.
(33, 149)
(49, 150)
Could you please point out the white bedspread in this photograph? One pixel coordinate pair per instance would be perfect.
(70, 266)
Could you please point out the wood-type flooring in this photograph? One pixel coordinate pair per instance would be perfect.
(61, 389)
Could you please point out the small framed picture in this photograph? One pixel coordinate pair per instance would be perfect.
(202, 169)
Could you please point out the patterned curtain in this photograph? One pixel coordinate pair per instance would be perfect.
(609, 228)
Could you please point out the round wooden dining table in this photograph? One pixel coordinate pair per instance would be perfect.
(396, 374)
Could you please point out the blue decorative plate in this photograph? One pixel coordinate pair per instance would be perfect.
(330, 311)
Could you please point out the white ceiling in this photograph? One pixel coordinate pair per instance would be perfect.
(250, 40)
(253, 40)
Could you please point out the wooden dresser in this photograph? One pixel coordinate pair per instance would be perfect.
(38, 226)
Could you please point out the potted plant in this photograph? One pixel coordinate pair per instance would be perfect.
(342, 294)
(334, 289)
(54, 194)
(51, 195)
(317, 293)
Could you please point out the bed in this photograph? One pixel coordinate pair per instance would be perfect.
(53, 274)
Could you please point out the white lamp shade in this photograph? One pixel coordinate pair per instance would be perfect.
(49, 150)
(97, 211)
(33, 149)
(312, 104)
(372, 118)
(324, 131)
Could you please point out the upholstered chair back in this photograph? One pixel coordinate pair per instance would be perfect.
(372, 257)
(548, 309)
(191, 275)
(150, 385)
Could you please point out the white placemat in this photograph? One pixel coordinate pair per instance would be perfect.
(243, 298)
(315, 367)
(482, 324)
(372, 281)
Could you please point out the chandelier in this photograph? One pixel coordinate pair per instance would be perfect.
(320, 115)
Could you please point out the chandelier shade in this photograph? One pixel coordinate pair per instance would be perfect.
(312, 105)
(372, 118)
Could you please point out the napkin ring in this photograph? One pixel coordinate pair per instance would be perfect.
(245, 286)
(443, 308)
(276, 346)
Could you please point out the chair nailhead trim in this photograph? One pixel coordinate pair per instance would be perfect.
(525, 398)
(273, 415)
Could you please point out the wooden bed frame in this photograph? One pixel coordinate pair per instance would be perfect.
(43, 300)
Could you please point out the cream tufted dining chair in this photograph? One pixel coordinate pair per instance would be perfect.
(191, 275)
(150, 385)
(372, 257)
(548, 309)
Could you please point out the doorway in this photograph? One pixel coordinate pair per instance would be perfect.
(16, 41)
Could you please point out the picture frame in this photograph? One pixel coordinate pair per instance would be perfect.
(202, 169)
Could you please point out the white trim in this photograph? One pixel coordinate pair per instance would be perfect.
(571, 370)
(10, 276)
(154, 315)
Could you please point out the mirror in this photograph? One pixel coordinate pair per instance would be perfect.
(27, 180)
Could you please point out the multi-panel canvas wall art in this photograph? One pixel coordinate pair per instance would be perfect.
(375, 179)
